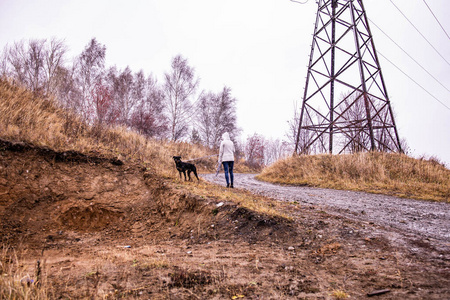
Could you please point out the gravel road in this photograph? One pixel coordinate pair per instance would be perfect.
(421, 218)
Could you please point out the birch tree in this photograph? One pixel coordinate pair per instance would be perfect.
(180, 85)
(90, 69)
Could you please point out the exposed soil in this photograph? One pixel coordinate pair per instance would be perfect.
(101, 228)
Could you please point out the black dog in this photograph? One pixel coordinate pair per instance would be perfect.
(182, 167)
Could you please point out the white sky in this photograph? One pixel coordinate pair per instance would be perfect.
(259, 48)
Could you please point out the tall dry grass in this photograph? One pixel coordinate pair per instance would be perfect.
(18, 280)
(375, 172)
(25, 117)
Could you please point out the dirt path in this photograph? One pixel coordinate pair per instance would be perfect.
(420, 218)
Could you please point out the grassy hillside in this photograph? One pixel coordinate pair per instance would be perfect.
(36, 120)
(385, 173)
(39, 121)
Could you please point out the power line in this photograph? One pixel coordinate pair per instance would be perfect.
(414, 81)
(423, 68)
(420, 33)
(299, 1)
(436, 19)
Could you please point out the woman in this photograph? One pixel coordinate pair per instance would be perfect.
(226, 157)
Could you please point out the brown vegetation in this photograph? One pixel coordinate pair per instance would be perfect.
(36, 120)
(375, 172)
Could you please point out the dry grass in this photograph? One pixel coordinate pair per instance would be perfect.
(245, 199)
(339, 294)
(25, 117)
(375, 172)
(19, 282)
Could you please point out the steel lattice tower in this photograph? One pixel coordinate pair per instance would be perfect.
(345, 106)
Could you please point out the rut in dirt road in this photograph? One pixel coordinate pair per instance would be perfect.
(423, 218)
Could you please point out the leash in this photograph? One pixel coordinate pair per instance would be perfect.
(218, 168)
(202, 157)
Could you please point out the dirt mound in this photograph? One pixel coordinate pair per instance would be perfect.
(42, 192)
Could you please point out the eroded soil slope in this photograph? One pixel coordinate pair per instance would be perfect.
(101, 228)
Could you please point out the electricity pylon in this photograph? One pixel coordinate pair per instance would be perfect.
(345, 106)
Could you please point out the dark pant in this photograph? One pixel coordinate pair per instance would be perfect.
(228, 167)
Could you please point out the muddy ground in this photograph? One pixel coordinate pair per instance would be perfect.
(101, 229)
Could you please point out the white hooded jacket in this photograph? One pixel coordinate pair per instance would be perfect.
(226, 152)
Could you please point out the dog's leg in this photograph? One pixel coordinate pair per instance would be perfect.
(195, 172)
(184, 172)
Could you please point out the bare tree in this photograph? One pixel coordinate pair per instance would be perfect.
(54, 59)
(90, 68)
(354, 122)
(4, 63)
(275, 150)
(291, 134)
(27, 64)
(304, 136)
(355, 115)
(122, 83)
(15, 56)
(139, 87)
(195, 137)
(34, 64)
(67, 92)
(254, 150)
(205, 118)
(216, 115)
(148, 116)
(179, 87)
(104, 109)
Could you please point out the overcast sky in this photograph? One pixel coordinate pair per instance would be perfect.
(258, 48)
